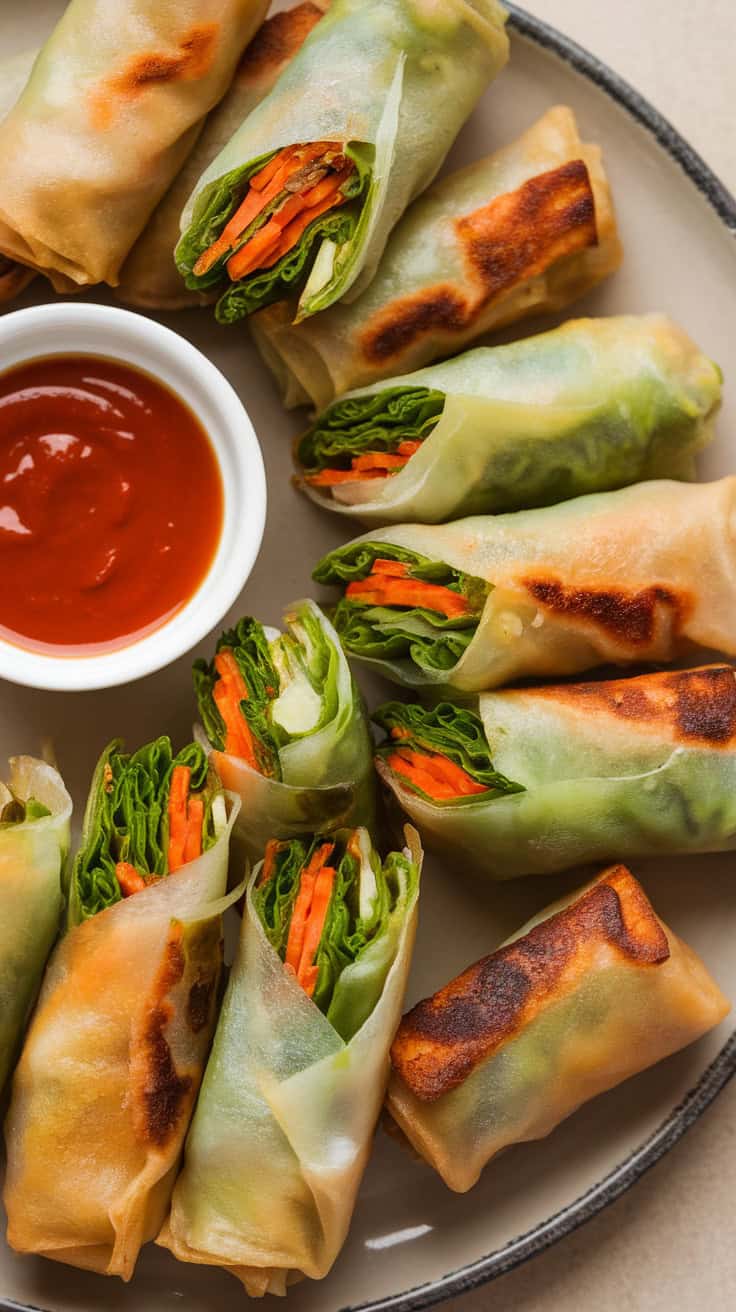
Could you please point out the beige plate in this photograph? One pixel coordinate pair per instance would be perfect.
(408, 1230)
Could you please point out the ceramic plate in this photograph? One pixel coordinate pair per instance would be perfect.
(412, 1242)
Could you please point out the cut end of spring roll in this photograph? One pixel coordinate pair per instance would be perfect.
(591, 406)
(592, 991)
(525, 231)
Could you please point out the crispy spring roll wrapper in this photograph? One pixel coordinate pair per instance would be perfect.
(571, 774)
(111, 1066)
(149, 277)
(35, 810)
(14, 73)
(390, 84)
(591, 406)
(285, 1119)
(107, 119)
(524, 231)
(313, 756)
(590, 992)
(647, 573)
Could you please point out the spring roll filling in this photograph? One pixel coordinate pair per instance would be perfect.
(325, 907)
(398, 604)
(265, 689)
(17, 810)
(149, 814)
(442, 754)
(368, 438)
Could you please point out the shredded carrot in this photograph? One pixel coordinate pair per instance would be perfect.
(195, 820)
(229, 691)
(389, 584)
(307, 970)
(434, 773)
(301, 913)
(129, 879)
(334, 477)
(177, 811)
(369, 465)
(273, 847)
(396, 568)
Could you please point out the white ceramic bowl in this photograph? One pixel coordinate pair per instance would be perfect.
(73, 329)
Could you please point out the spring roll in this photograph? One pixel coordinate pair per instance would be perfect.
(534, 780)
(35, 810)
(149, 277)
(587, 994)
(643, 574)
(525, 231)
(14, 74)
(298, 1070)
(302, 199)
(111, 1066)
(591, 406)
(286, 727)
(113, 106)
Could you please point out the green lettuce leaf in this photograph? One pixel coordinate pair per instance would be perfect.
(380, 421)
(454, 732)
(252, 652)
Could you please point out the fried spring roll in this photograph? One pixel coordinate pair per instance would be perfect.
(534, 780)
(525, 231)
(113, 1059)
(643, 574)
(14, 74)
(589, 993)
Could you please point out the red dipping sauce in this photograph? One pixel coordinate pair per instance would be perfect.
(111, 504)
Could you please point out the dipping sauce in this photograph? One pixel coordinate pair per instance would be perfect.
(111, 504)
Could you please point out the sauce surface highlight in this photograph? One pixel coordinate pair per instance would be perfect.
(111, 504)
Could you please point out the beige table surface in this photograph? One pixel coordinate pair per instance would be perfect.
(669, 1245)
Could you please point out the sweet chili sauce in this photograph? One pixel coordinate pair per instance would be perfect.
(111, 504)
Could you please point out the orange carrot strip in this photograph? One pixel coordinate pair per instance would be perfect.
(302, 904)
(273, 847)
(251, 255)
(229, 691)
(307, 971)
(444, 771)
(129, 879)
(420, 778)
(396, 567)
(195, 820)
(177, 811)
(385, 590)
(378, 460)
(332, 477)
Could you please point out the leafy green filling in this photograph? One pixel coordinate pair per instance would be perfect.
(362, 927)
(453, 732)
(127, 820)
(377, 422)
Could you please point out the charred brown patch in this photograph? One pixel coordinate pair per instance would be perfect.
(443, 1039)
(199, 1003)
(629, 617)
(278, 40)
(698, 705)
(190, 61)
(163, 1089)
(517, 236)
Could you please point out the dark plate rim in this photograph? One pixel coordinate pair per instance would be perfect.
(720, 1071)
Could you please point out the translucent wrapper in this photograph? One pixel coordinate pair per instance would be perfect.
(590, 992)
(627, 767)
(149, 277)
(524, 231)
(111, 1067)
(13, 77)
(32, 857)
(642, 574)
(327, 778)
(591, 406)
(285, 1119)
(107, 119)
(393, 80)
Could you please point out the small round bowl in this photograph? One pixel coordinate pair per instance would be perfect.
(76, 329)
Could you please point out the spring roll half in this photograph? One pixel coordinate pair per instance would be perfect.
(591, 991)
(524, 231)
(113, 106)
(286, 727)
(642, 574)
(591, 406)
(14, 74)
(149, 277)
(35, 810)
(113, 1059)
(533, 780)
(302, 199)
(296, 1079)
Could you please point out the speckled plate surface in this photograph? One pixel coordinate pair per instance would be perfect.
(412, 1242)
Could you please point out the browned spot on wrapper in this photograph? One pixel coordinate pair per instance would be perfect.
(699, 705)
(277, 41)
(443, 1038)
(629, 617)
(163, 1089)
(190, 61)
(517, 236)
(199, 1003)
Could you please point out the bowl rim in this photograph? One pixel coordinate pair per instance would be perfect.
(131, 338)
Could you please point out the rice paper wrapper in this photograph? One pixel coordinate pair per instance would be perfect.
(589, 407)
(594, 990)
(106, 121)
(284, 1123)
(110, 1071)
(620, 768)
(452, 270)
(32, 859)
(14, 73)
(642, 574)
